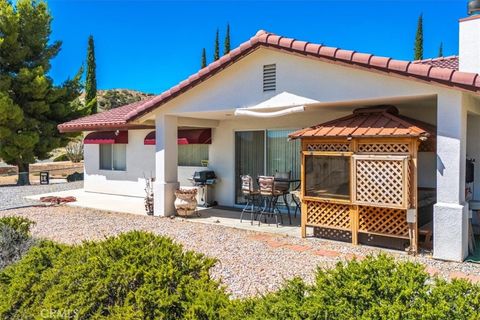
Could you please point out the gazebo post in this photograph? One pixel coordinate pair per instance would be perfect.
(354, 223)
(303, 211)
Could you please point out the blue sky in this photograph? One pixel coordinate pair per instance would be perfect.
(153, 45)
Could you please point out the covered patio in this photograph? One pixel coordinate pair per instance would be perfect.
(227, 217)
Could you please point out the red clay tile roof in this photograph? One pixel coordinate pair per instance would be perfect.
(376, 122)
(413, 71)
(442, 62)
(114, 118)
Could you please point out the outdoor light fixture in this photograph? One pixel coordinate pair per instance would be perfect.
(474, 7)
(117, 132)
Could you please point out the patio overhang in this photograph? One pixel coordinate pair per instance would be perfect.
(282, 104)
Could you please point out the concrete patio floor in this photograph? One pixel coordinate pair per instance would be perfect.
(216, 216)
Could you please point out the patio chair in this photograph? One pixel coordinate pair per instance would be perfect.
(282, 184)
(270, 195)
(252, 197)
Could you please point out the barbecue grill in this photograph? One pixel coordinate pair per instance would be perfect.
(204, 181)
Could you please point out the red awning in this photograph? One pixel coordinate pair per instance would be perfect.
(186, 136)
(195, 136)
(150, 139)
(106, 137)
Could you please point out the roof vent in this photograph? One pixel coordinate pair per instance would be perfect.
(269, 77)
(474, 7)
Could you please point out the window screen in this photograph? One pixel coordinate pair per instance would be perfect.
(192, 154)
(327, 177)
(106, 156)
(120, 157)
(113, 157)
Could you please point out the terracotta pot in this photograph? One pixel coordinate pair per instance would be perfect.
(186, 202)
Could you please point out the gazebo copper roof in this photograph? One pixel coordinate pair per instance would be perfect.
(380, 121)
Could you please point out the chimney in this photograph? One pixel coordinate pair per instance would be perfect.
(469, 39)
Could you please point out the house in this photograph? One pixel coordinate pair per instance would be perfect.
(237, 113)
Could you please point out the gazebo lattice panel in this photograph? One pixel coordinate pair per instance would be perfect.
(328, 215)
(379, 182)
(384, 148)
(383, 221)
(333, 147)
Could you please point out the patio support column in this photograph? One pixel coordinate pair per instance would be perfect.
(450, 216)
(166, 161)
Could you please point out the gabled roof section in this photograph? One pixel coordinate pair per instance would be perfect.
(382, 121)
(113, 118)
(406, 69)
(451, 62)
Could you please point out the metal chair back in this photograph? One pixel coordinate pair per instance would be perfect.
(247, 184)
(266, 185)
(282, 179)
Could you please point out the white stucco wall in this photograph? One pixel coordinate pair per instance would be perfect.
(240, 85)
(140, 164)
(469, 45)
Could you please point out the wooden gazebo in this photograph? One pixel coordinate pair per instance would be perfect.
(359, 173)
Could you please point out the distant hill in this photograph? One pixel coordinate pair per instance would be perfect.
(113, 98)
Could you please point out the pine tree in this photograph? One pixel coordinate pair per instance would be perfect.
(227, 41)
(440, 50)
(31, 106)
(216, 50)
(91, 78)
(204, 58)
(418, 54)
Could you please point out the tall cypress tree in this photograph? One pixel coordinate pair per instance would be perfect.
(440, 50)
(204, 58)
(216, 50)
(227, 40)
(91, 78)
(418, 54)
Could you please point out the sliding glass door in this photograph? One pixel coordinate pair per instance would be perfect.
(249, 157)
(264, 153)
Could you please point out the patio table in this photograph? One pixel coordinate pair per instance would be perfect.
(290, 181)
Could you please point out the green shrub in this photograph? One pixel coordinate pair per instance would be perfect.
(61, 157)
(15, 239)
(376, 288)
(19, 224)
(136, 275)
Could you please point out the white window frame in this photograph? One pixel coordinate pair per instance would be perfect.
(112, 160)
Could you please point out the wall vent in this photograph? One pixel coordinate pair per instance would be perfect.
(269, 77)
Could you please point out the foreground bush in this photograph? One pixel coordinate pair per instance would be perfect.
(133, 276)
(376, 288)
(138, 275)
(15, 239)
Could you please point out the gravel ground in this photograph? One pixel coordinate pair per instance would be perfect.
(13, 196)
(249, 262)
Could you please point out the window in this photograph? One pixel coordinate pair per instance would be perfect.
(113, 157)
(269, 77)
(327, 177)
(192, 155)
